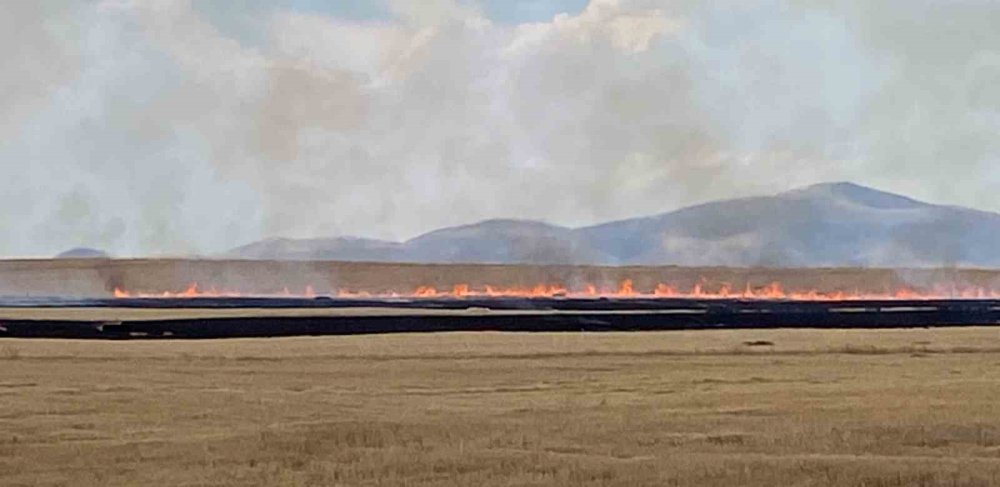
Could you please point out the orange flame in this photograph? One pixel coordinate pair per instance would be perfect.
(625, 289)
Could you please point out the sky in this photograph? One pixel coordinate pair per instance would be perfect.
(152, 127)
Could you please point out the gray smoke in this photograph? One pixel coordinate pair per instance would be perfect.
(176, 127)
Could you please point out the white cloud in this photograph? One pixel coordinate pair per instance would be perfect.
(628, 29)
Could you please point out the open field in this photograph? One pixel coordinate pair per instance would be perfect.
(723, 408)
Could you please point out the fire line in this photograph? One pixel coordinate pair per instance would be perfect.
(625, 289)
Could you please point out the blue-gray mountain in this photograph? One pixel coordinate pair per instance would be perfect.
(835, 224)
(83, 253)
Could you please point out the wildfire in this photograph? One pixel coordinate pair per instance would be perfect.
(625, 289)
(193, 291)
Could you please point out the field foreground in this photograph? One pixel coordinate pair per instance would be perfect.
(740, 407)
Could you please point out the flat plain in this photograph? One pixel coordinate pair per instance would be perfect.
(717, 408)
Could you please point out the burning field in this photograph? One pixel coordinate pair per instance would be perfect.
(625, 289)
(216, 299)
(97, 278)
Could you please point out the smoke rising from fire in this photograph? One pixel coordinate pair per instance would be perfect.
(191, 127)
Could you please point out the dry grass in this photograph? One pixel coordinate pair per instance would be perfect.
(722, 408)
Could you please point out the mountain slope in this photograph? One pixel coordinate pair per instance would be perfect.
(502, 241)
(83, 253)
(839, 224)
(835, 224)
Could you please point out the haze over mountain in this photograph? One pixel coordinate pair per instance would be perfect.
(833, 224)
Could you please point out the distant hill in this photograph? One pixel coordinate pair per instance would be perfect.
(492, 241)
(835, 224)
(503, 241)
(83, 253)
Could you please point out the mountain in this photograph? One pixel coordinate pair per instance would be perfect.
(491, 241)
(832, 224)
(838, 224)
(83, 253)
(503, 241)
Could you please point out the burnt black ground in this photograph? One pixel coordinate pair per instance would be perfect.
(366, 316)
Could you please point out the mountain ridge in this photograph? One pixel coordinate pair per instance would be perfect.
(823, 225)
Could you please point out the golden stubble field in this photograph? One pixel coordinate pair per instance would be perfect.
(717, 408)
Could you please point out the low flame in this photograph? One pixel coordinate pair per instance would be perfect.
(625, 289)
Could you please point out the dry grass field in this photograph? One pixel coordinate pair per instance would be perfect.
(717, 408)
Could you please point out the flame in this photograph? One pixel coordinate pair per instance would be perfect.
(625, 289)
(194, 291)
(665, 291)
